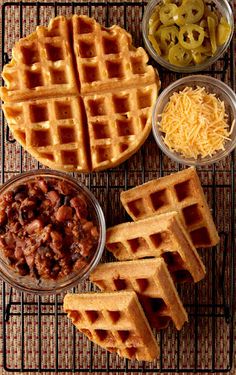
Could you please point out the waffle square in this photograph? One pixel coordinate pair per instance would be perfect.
(158, 236)
(115, 321)
(104, 57)
(152, 282)
(181, 192)
(116, 121)
(104, 85)
(42, 65)
(53, 134)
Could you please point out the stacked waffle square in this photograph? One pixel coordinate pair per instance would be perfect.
(160, 235)
(181, 192)
(79, 96)
(115, 321)
(150, 279)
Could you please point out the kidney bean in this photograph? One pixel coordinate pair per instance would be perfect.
(94, 232)
(42, 184)
(64, 213)
(87, 226)
(35, 226)
(53, 196)
(80, 207)
(65, 188)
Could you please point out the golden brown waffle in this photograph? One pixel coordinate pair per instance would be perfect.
(159, 235)
(79, 97)
(181, 192)
(152, 282)
(115, 321)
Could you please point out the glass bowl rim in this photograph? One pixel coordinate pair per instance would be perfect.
(175, 85)
(193, 68)
(77, 278)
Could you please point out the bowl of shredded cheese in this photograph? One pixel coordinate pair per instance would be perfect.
(194, 120)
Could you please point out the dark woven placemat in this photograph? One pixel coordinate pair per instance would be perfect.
(57, 347)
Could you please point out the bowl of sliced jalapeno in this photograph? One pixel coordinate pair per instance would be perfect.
(187, 35)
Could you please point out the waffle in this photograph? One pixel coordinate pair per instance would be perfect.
(78, 96)
(159, 235)
(181, 192)
(153, 284)
(115, 321)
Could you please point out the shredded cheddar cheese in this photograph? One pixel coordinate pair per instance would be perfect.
(195, 123)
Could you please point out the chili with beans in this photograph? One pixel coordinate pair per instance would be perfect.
(45, 229)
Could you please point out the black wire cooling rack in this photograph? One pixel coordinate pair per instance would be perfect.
(36, 335)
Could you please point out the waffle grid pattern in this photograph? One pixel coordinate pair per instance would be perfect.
(97, 62)
(117, 326)
(150, 279)
(54, 134)
(102, 58)
(117, 121)
(180, 192)
(160, 235)
(42, 64)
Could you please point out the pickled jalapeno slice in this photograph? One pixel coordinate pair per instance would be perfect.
(168, 13)
(179, 56)
(169, 37)
(210, 13)
(154, 21)
(223, 31)
(212, 31)
(154, 27)
(191, 36)
(191, 11)
(155, 44)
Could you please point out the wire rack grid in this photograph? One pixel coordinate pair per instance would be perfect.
(36, 334)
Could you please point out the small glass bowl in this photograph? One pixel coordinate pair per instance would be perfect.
(212, 85)
(46, 286)
(224, 9)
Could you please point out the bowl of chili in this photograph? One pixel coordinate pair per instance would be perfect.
(52, 232)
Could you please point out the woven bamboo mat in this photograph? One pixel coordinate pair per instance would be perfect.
(56, 331)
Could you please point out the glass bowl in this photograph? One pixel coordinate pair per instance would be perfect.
(224, 9)
(212, 85)
(45, 286)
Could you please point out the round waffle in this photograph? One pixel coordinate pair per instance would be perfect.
(79, 96)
